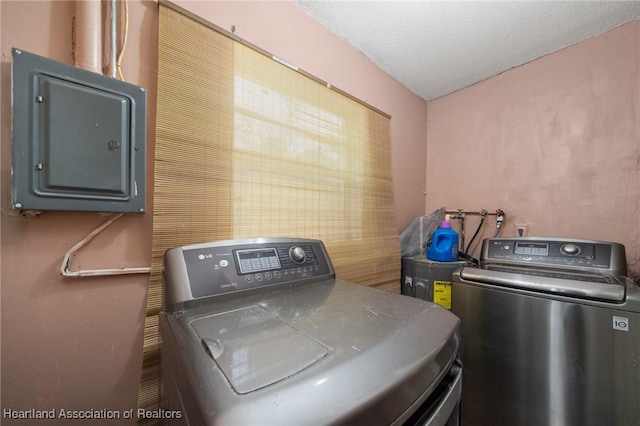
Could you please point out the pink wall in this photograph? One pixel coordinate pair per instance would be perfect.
(76, 344)
(72, 344)
(555, 143)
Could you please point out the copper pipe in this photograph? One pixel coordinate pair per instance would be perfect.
(461, 213)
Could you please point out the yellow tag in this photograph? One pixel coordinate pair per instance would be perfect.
(442, 293)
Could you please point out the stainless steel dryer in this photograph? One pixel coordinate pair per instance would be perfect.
(259, 332)
(551, 334)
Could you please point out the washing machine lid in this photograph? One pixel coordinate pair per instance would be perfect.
(589, 287)
(248, 345)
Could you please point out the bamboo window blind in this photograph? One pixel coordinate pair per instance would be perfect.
(248, 147)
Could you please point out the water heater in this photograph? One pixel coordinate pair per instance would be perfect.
(428, 279)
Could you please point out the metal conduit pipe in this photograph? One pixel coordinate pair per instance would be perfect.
(87, 37)
(112, 39)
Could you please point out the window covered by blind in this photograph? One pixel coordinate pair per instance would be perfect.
(249, 147)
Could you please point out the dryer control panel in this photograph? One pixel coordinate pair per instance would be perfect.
(226, 267)
(556, 253)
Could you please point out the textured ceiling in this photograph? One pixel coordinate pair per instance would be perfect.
(437, 47)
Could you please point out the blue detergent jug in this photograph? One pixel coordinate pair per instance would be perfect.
(444, 244)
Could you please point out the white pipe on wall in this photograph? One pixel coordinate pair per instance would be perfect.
(66, 271)
(87, 35)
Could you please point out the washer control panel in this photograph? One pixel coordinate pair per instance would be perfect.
(224, 267)
(586, 255)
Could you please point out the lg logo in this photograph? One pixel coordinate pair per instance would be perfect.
(621, 323)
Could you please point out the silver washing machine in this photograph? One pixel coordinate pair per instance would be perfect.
(551, 334)
(259, 332)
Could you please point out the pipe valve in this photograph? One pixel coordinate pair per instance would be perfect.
(499, 218)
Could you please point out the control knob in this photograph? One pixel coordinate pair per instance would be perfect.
(297, 254)
(570, 249)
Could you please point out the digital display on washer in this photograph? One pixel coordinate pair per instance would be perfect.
(532, 249)
(257, 260)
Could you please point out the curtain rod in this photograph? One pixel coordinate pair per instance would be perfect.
(264, 52)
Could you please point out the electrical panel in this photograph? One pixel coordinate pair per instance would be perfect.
(79, 139)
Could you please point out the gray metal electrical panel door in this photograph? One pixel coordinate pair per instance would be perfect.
(79, 139)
